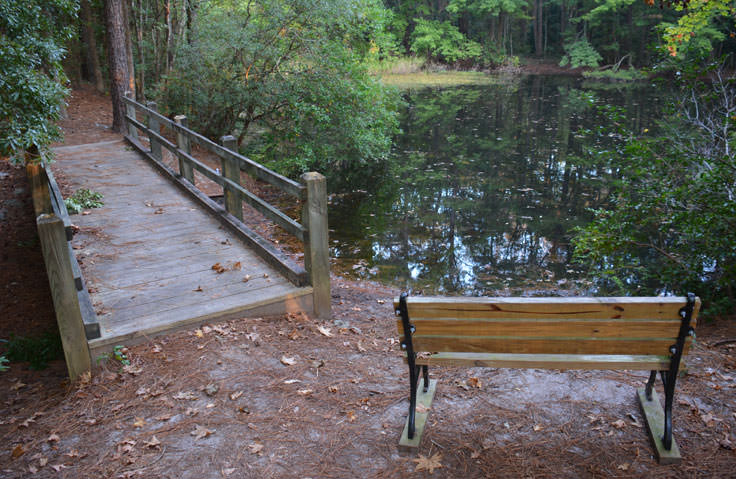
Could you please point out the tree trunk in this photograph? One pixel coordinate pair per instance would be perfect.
(117, 57)
(129, 48)
(538, 22)
(93, 59)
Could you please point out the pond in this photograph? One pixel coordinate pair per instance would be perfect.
(486, 184)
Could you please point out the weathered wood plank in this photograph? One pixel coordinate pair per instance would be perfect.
(64, 294)
(654, 416)
(264, 249)
(39, 188)
(316, 246)
(183, 144)
(546, 328)
(224, 306)
(230, 170)
(424, 402)
(532, 308)
(294, 301)
(658, 347)
(549, 361)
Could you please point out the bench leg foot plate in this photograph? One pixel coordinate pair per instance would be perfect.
(424, 401)
(654, 416)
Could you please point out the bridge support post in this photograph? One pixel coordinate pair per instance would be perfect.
(130, 111)
(64, 293)
(153, 125)
(231, 171)
(316, 247)
(182, 142)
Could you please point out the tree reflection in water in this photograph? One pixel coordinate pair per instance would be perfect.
(485, 185)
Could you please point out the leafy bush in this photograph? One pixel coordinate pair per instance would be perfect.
(580, 53)
(3, 362)
(443, 41)
(287, 79)
(83, 199)
(673, 225)
(32, 33)
(37, 350)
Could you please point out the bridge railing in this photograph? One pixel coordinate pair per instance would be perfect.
(75, 314)
(311, 231)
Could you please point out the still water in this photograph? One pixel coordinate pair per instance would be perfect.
(486, 185)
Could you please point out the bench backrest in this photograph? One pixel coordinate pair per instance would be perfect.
(618, 326)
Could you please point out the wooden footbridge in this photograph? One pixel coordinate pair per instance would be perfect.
(161, 254)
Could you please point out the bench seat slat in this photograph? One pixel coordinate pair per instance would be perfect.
(548, 361)
(533, 308)
(546, 328)
(509, 344)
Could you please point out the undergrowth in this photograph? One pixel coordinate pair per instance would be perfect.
(35, 350)
(83, 199)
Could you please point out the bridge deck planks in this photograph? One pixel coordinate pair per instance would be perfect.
(148, 252)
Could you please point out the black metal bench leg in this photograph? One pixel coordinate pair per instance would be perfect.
(413, 380)
(650, 385)
(425, 373)
(669, 395)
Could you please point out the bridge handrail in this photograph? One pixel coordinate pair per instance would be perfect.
(313, 195)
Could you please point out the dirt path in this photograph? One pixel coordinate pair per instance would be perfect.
(291, 397)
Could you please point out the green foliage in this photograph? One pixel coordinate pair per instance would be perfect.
(36, 350)
(32, 33)
(83, 199)
(695, 29)
(3, 362)
(672, 227)
(442, 41)
(631, 74)
(119, 353)
(580, 53)
(286, 76)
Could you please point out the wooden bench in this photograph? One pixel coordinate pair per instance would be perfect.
(645, 333)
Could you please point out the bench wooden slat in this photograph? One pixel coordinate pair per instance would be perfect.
(561, 345)
(532, 308)
(546, 328)
(548, 361)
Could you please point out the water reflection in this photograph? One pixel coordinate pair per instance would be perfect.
(485, 186)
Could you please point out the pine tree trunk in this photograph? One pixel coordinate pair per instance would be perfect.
(117, 58)
(88, 33)
(538, 22)
(129, 48)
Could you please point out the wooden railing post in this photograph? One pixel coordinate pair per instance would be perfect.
(130, 110)
(64, 293)
(316, 247)
(231, 171)
(182, 141)
(153, 125)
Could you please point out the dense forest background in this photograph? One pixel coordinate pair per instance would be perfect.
(297, 83)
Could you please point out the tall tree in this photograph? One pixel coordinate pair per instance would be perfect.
(88, 34)
(117, 58)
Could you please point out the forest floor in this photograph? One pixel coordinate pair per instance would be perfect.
(292, 397)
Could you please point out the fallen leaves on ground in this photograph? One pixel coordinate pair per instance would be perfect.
(201, 432)
(286, 361)
(236, 395)
(211, 389)
(474, 382)
(256, 448)
(139, 422)
(53, 438)
(218, 268)
(18, 451)
(428, 463)
(620, 424)
(325, 331)
(153, 443)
